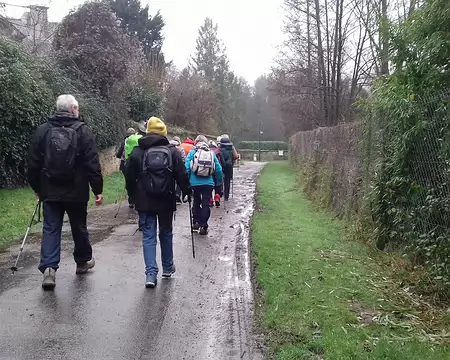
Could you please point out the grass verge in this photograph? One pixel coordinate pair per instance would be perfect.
(17, 206)
(325, 297)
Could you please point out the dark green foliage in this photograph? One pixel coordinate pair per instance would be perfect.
(29, 89)
(265, 145)
(25, 100)
(139, 23)
(94, 48)
(409, 123)
(143, 97)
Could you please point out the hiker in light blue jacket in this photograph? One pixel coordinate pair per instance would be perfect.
(204, 172)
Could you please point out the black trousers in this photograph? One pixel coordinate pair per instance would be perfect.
(130, 200)
(53, 222)
(218, 190)
(200, 210)
(228, 175)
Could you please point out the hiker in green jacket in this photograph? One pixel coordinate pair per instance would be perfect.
(132, 142)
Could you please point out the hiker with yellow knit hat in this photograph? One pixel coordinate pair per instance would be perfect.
(152, 170)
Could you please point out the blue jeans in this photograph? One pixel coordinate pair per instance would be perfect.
(53, 222)
(201, 211)
(147, 223)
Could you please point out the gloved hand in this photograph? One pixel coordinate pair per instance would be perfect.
(187, 196)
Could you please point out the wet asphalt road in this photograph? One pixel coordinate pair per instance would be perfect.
(203, 312)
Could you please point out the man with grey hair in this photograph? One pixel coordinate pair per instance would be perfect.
(204, 172)
(63, 161)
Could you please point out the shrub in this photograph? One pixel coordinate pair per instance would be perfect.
(410, 122)
(28, 92)
(25, 101)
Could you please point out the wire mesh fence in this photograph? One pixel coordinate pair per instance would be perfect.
(392, 170)
(408, 168)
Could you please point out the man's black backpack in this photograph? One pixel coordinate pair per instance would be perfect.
(60, 152)
(226, 151)
(157, 171)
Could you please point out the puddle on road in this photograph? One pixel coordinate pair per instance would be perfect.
(225, 258)
(236, 299)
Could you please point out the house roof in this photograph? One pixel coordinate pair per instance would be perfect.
(8, 29)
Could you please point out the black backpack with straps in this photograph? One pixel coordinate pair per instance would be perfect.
(226, 151)
(157, 171)
(61, 151)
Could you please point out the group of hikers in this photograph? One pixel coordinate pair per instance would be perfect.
(223, 149)
(64, 162)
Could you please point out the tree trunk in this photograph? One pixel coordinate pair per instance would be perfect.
(335, 65)
(329, 85)
(384, 38)
(412, 7)
(321, 60)
(308, 34)
(340, 42)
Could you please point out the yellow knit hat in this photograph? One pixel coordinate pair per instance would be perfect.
(156, 126)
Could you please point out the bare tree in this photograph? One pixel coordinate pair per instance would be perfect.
(334, 51)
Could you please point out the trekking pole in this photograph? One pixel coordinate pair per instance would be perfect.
(232, 187)
(120, 201)
(192, 230)
(39, 212)
(14, 268)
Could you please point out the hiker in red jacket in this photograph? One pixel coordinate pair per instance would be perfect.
(188, 146)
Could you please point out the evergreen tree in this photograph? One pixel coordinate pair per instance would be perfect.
(140, 24)
(210, 60)
(94, 48)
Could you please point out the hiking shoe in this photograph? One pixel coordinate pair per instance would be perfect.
(83, 268)
(150, 281)
(217, 200)
(131, 206)
(49, 281)
(168, 273)
(195, 226)
(203, 230)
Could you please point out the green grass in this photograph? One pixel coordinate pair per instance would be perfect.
(17, 206)
(323, 296)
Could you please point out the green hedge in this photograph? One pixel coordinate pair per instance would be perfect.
(28, 90)
(265, 145)
(25, 100)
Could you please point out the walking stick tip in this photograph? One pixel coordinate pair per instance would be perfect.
(14, 269)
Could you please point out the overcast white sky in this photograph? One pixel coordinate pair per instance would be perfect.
(250, 29)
